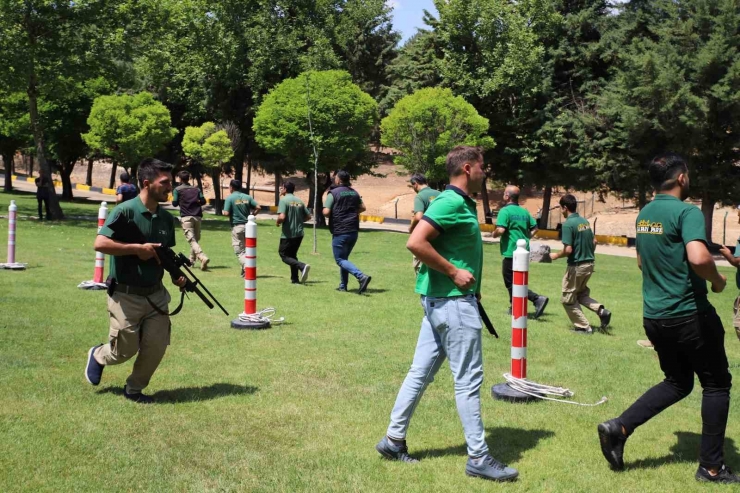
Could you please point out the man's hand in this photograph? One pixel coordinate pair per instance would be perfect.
(554, 256)
(147, 251)
(463, 279)
(180, 282)
(719, 285)
(725, 251)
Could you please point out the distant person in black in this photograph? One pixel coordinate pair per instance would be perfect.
(343, 207)
(126, 190)
(190, 199)
(42, 193)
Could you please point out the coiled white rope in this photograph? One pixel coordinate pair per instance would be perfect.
(264, 315)
(539, 391)
(92, 285)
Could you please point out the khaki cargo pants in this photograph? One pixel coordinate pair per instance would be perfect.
(191, 228)
(736, 311)
(417, 265)
(136, 327)
(577, 293)
(237, 241)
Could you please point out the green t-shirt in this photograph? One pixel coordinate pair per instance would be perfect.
(329, 201)
(454, 215)
(577, 233)
(239, 205)
(424, 198)
(670, 287)
(157, 228)
(518, 223)
(737, 273)
(295, 214)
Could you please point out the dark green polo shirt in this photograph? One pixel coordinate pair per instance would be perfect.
(737, 273)
(454, 215)
(670, 288)
(157, 228)
(424, 198)
(295, 214)
(518, 223)
(578, 234)
(239, 205)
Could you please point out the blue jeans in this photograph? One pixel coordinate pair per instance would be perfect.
(342, 246)
(451, 329)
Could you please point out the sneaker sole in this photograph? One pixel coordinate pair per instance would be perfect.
(304, 275)
(604, 325)
(89, 355)
(385, 454)
(539, 312)
(498, 480)
(605, 437)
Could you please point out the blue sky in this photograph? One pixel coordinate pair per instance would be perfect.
(408, 14)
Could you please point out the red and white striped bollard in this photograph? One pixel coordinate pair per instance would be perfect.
(250, 319)
(99, 273)
(519, 289)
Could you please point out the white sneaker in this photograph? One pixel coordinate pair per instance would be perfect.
(304, 274)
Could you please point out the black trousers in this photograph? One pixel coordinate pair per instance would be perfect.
(688, 345)
(45, 200)
(288, 254)
(508, 272)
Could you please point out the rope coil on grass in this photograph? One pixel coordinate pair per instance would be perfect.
(264, 315)
(539, 391)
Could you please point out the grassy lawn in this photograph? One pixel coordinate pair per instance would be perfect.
(301, 406)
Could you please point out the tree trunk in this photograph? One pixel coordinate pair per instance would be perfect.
(486, 204)
(238, 160)
(88, 178)
(642, 195)
(199, 179)
(112, 181)
(249, 171)
(707, 208)
(216, 178)
(30, 165)
(277, 188)
(66, 173)
(38, 137)
(546, 199)
(8, 162)
(324, 183)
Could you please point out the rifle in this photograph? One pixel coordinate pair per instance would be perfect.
(127, 232)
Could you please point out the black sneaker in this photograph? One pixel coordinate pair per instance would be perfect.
(612, 443)
(342, 289)
(304, 274)
(489, 468)
(539, 306)
(93, 369)
(139, 398)
(605, 316)
(363, 284)
(723, 476)
(387, 449)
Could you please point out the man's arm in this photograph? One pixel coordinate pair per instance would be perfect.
(110, 246)
(175, 198)
(565, 252)
(280, 219)
(415, 220)
(639, 262)
(119, 198)
(533, 231)
(419, 244)
(703, 265)
(201, 198)
(727, 254)
(362, 207)
(499, 231)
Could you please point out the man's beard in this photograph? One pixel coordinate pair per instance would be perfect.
(684, 193)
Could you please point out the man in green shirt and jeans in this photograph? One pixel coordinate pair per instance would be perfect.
(679, 320)
(292, 213)
(422, 201)
(449, 244)
(515, 223)
(578, 247)
(239, 206)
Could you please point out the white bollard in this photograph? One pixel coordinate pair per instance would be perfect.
(12, 220)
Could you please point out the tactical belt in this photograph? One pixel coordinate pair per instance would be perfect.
(146, 292)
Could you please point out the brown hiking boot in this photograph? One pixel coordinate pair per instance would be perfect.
(204, 262)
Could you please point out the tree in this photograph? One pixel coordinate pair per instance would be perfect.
(343, 118)
(15, 130)
(210, 148)
(426, 125)
(127, 129)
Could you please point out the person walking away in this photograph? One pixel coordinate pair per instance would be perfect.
(448, 242)
(42, 194)
(292, 213)
(578, 246)
(137, 299)
(190, 199)
(515, 223)
(678, 319)
(424, 197)
(239, 206)
(126, 190)
(734, 260)
(343, 207)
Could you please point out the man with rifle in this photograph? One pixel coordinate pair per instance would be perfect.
(137, 299)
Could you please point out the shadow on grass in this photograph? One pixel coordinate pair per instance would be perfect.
(686, 449)
(510, 444)
(192, 394)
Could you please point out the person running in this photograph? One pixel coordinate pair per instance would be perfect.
(515, 223)
(239, 206)
(126, 190)
(292, 213)
(424, 197)
(190, 199)
(578, 247)
(684, 328)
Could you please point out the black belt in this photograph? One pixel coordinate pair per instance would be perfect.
(138, 290)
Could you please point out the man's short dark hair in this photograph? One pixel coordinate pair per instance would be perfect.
(418, 179)
(151, 168)
(664, 170)
(569, 202)
(124, 177)
(343, 177)
(289, 186)
(235, 184)
(460, 155)
(184, 175)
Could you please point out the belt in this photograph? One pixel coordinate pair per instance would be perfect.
(138, 290)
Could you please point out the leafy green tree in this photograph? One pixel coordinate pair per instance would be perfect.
(427, 124)
(210, 148)
(128, 128)
(342, 119)
(15, 130)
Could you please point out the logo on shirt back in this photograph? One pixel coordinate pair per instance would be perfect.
(650, 228)
(584, 227)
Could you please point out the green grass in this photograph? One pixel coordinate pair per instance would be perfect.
(301, 406)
